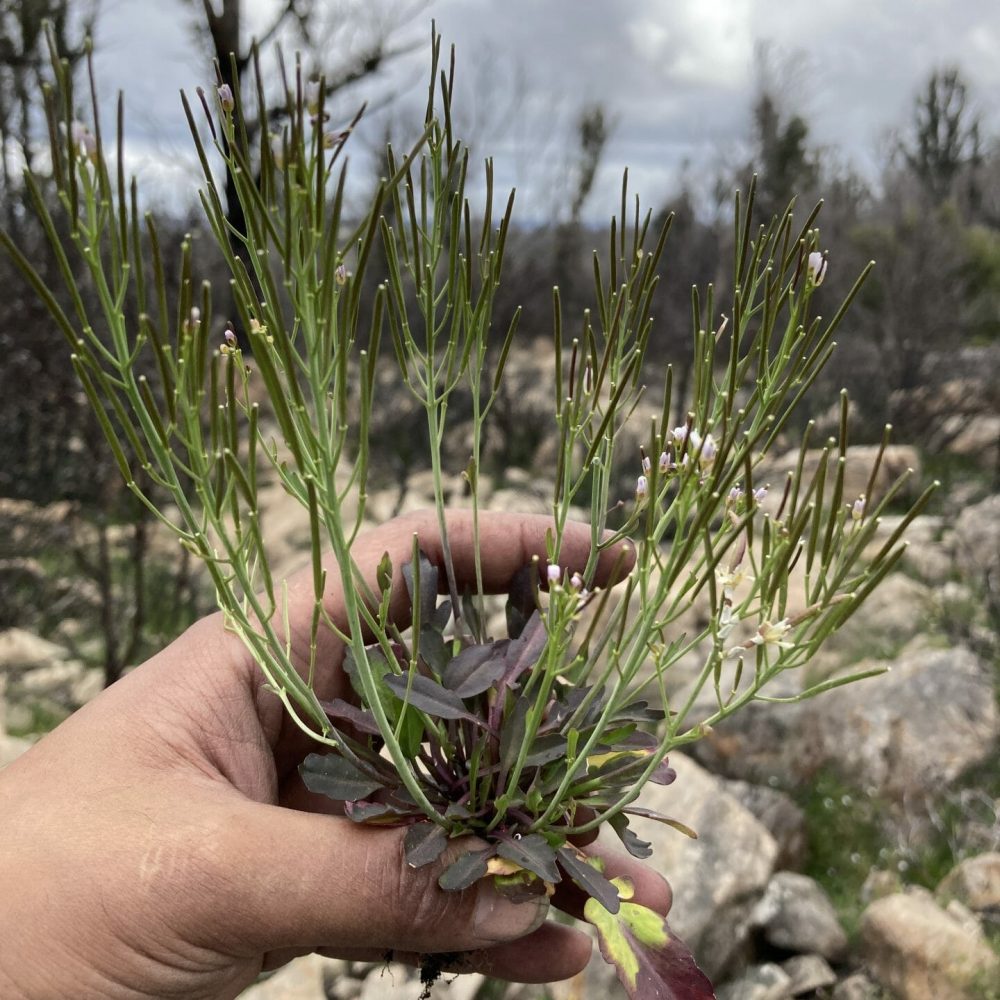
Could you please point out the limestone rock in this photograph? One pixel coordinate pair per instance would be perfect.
(920, 952)
(974, 882)
(717, 878)
(977, 541)
(808, 973)
(796, 915)
(783, 819)
(878, 731)
(21, 651)
(760, 982)
(856, 987)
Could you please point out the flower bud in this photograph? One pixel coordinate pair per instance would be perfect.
(553, 573)
(641, 488)
(759, 494)
(816, 267)
(226, 101)
(83, 140)
(312, 96)
(576, 581)
(665, 464)
(734, 497)
(341, 274)
(858, 508)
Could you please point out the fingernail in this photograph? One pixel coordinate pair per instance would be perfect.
(497, 919)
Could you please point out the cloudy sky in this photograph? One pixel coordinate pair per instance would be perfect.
(677, 76)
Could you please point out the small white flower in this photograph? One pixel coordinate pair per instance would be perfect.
(773, 634)
(83, 141)
(708, 450)
(641, 488)
(679, 434)
(666, 465)
(730, 579)
(553, 573)
(759, 494)
(312, 95)
(816, 266)
(858, 508)
(341, 274)
(576, 581)
(727, 622)
(734, 497)
(647, 465)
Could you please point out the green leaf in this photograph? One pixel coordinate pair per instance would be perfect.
(332, 775)
(428, 696)
(588, 878)
(475, 669)
(652, 963)
(512, 734)
(466, 870)
(534, 853)
(424, 843)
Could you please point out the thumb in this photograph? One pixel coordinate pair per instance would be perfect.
(296, 879)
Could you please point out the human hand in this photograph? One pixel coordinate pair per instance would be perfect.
(160, 843)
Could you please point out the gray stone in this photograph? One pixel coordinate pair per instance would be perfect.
(784, 820)
(390, 984)
(974, 882)
(796, 915)
(759, 982)
(920, 952)
(977, 541)
(21, 651)
(808, 973)
(878, 731)
(856, 987)
(718, 878)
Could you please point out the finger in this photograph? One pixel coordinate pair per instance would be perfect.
(323, 879)
(549, 954)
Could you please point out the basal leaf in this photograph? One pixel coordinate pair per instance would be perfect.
(661, 818)
(475, 669)
(523, 652)
(424, 843)
(376, 813)
(428, 574)
(427, 695)
(636, 847)
(466, 870)
(534, 853)
(433, 650)
(512, 734)
(520, 600)
(638, 711)
(664, 774)
(344, 711)
(439, 620)
(546, 749)
(332, 775)
(588, 878)
(652, 963)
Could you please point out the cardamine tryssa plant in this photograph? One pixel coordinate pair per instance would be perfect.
(530, 738)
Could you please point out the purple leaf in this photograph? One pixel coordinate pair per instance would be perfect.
(661, 818)
(332, 775)
(534, 853)
(589, 879)
(469, 868)
(523, 653)
(636, 847)
(424, 843)
(475, 669)
(343, 711)
(428, 584)
(428, 696)
(652, 963)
